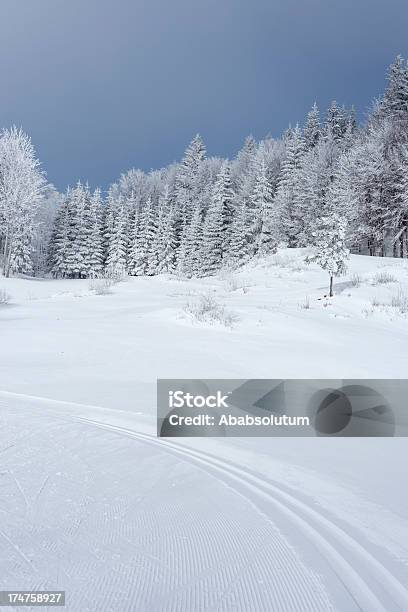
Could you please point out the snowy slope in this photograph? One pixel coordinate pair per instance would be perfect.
(94, 504)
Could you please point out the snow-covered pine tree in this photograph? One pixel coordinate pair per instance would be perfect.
(142, 253)
(181, 242)
(242, 166)
(115, 234)
(212, 249)
(312, 129)
(192, 260)
(224, 194)
(315, 174)
(239, 247)
(135, 259)
(167, 236)
(95, 253)
(336, 121)
(394, 104)
(21, 255)
(78, 258)
(329, 244)
(155, 234)
(243, 174)
(44, 226)
(265, 231)
(149, 229)
(187, 184)
(360, 192)
(287, 196)
(62, 237)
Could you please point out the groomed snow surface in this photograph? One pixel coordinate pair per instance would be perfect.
(94, 504)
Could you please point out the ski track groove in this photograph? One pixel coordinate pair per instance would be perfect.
(368, 593)
(375, 592)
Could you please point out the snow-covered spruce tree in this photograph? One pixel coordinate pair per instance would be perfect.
(224, 194)
(166, 238)
(79, 255)
(361, 190)
(390, 119)
(394, 103)
(212, 249)
(76, 249)
(239, 246)
(217, 187)
(156, 231)
(181, 244)
(95, 252)
(336, 121)
(149, 229)
(143, 255)
(60, 248)
(243, 176)
(241, 168)
(135, 258)
(264, 222)
(21, 255)
(312, 129)
(187, 184)
(44, 226)
(286, 200)
(329, 244)
(402, 220)
(314, 175)
(21, 190)
(115, 234)
(190, 261)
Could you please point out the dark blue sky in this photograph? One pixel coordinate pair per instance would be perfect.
(106, 85)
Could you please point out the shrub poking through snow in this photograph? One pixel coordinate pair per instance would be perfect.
(355, 280)
(305, 305)
(4, 297)
(383, 278)
(101, 286)
(206, 309)
(115, 275)
(400, 302)
(397, 305)
(233, 283)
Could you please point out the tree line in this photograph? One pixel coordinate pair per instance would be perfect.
(327, 182)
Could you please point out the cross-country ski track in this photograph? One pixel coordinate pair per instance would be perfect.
(226, 538)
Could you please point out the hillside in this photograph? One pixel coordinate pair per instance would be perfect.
(94, 503)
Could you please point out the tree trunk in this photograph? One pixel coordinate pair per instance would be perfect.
(331, 286)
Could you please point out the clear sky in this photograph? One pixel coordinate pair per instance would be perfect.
(106, 85)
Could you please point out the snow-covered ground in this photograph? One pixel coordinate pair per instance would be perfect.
(93, 503)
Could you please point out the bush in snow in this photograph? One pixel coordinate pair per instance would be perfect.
(397, 305)
(383, 278)
(115, 275)
(4, 297)
(356, 280)
(233, 283)
(305, 305)
(207, 310)
(101, 286)
(295, 264)
(400, 302)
